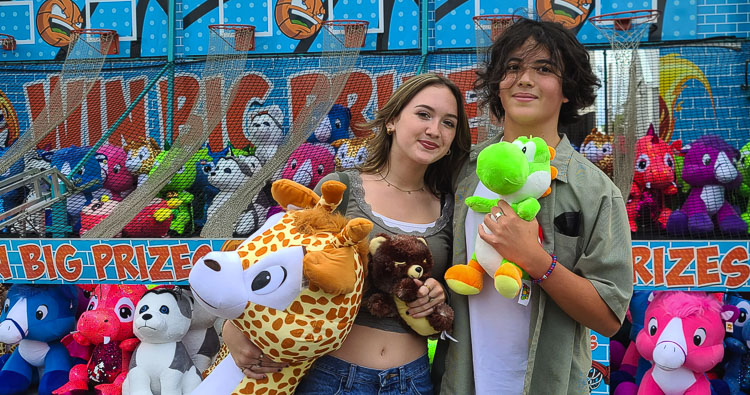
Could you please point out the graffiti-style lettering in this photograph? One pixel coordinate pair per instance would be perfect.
(641, 256)
(134, 125)
(186, 90)
(140, 257)
(675, 276)
(70, 270)
(658, 266)
(4, 263)
(156, 272)
(102, 257)
(123, 257)
(359, 87)
(737, 274)
(33, 267)
(707, 269)
(180, 261)
(254, 87)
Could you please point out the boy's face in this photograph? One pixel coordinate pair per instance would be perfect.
(531, 91)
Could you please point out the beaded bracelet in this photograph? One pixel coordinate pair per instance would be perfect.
(549, 271)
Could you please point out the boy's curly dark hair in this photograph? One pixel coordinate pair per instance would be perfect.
(571, 62)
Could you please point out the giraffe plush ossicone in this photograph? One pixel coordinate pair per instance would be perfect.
(519, 173)
(293, 288)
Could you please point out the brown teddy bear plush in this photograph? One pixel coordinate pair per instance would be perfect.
(394, 264)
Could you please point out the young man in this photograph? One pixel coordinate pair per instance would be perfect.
(537, 77)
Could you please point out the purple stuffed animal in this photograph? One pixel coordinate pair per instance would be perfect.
(709, 169)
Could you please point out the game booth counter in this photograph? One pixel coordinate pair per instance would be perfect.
(719, 269)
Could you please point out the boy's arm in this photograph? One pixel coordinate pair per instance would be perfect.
(605, 262)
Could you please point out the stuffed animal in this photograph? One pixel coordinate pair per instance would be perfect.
(254, 217)
(519, 173)
(351, 153)
(293, 288)
(309, 163)
(152, 221)
(118, 180)
(264, 129)
(710, 171)
(5, 349)
(15, 197)
(333, 127)
(736, 367)
(597, 147)
(95, 212)
(90, 177)
(203, 192)
(743, 165)
(653, 179)
(395, 262)
(161, 363)
(104, 339)
(683, 337)
(201, 340)
(142, 153)
(36, 317)
(175, 193)
(227, 176)
(37, 222)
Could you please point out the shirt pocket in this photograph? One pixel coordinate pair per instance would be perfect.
(567, 249)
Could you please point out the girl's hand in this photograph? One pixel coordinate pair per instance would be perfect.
(430, 294)
(246, 355)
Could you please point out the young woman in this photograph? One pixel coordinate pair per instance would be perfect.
(537, 77)
(405, 187)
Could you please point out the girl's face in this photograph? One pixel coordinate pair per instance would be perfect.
(531, 92)
(424, 129)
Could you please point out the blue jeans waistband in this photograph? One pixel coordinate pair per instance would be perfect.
(362, 374)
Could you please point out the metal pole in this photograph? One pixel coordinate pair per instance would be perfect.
(424, 37)
(170, 79)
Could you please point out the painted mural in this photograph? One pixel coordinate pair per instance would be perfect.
(42, 27)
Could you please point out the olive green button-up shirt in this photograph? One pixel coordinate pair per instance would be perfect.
(559, 347)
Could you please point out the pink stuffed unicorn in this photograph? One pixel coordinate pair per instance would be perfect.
(683, 337)
(118, 179)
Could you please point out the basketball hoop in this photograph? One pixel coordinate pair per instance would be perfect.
(8, 42)
(493, 25)
(350, 33)
(109, 41)
(239, 37)
(624, 30)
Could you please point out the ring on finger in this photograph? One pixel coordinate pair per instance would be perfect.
(498, 215)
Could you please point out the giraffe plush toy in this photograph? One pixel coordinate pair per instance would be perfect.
(293, 288)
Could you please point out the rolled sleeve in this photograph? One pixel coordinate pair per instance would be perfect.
(606, 259)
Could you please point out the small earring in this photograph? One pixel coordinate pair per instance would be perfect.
(389, 131)
(448, 153)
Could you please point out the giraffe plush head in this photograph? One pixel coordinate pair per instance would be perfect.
(294, 287)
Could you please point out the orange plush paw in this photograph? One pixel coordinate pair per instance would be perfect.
(508, 280)
(464, 279)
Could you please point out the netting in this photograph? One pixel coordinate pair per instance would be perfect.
(86, 53)
(487, 28)
(341, 42)
(167, 180)
(7, 42)
(624, 30)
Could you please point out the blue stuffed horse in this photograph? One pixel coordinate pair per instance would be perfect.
(36, 317)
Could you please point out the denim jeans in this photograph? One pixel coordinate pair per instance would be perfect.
(330, 375)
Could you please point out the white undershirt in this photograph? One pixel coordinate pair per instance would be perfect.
(405, 226)
(499, 327)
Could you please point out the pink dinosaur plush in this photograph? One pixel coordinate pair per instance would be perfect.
(653, 179)
(683, 337)
(105, 333)
(118, 180)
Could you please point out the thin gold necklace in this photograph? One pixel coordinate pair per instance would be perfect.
(382, 177)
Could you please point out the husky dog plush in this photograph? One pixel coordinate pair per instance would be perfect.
(201, 340)
(160, 363)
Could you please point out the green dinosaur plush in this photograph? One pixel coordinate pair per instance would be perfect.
(174, 193)
(520, 173)
(744, 167)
